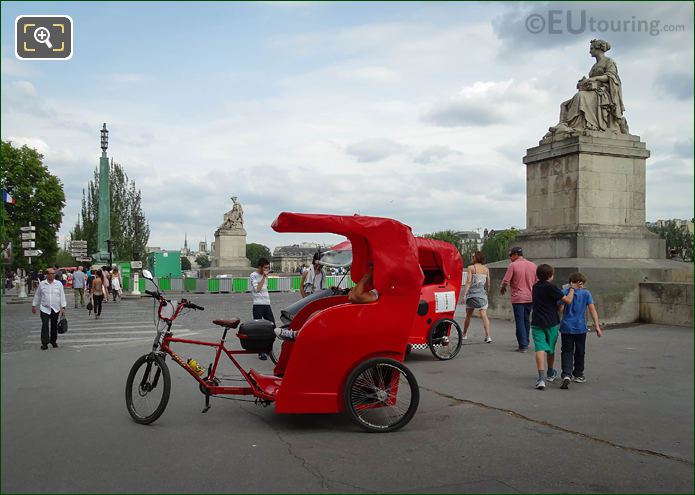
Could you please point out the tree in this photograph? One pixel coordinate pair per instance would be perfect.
(497, 246)
(446, 236)
(39, 199)
(468, 249)
(130, 230)
(64, 258)
(678, 239)
(185, 263)
(202, 260)
(256, 251)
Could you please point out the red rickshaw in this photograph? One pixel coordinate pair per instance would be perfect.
(346, 357)
(434, 326)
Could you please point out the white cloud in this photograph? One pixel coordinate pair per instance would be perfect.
(349, 128)
(485, 103)
(373, 150)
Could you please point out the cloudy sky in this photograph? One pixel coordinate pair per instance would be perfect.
(416, 111)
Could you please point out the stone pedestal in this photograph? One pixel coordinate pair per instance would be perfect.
(229, 256)
(585, 199)
(585, 211)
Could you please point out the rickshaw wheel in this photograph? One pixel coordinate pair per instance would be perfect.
(381, 395)
(445, 339)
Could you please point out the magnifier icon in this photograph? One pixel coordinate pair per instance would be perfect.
(43, 35)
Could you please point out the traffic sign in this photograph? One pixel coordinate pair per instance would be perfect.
(87, 258)
(28, 236)
(136, 264)
(75, 244)
(30, 253)
(28, 244)
(28, 228)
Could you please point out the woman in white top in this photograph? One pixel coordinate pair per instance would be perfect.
(115, 283)
(475, 294)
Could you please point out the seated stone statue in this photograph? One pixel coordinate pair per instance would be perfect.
(598, 103)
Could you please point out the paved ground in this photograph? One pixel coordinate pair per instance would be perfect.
(480, 427)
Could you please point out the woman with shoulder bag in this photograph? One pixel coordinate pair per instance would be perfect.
(475, 294)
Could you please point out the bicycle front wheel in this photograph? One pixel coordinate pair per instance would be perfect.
(147, 389)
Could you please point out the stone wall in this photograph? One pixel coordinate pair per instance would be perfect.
(668, 303)
(614, 284)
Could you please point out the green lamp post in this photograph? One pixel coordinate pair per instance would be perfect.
(103, 254)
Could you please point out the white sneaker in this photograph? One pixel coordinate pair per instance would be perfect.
(488, 340)
(540, 384)
(465, 337)
(285, 334)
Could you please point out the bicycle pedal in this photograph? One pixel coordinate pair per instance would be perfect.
(205, 409)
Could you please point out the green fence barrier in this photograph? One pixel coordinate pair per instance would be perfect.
(240, 285)
(189, 284)
(213, 285)
(165, 283)
(272, 284)
(142, 284)
(126, 284)
(296, 282)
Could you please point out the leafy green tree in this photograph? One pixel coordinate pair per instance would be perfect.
(185, 263)
(256, 251)
(39, 199)
(64, 258)
(467, 251)
(678, 239)
(446, 236)
(130, 230)
(496, 248)
(202, 261)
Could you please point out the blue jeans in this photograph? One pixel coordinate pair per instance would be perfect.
(522, 319)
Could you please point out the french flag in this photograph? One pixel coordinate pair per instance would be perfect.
(6, 198)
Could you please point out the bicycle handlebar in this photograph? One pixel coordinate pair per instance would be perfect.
(194, 306)
(153, 294)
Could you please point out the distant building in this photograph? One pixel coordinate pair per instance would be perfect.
(289, 259)
(470, 237)
(203, 246)
(685, 225)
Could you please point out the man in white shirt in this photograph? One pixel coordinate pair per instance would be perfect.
(258, 281)
(312, 278)
(50, 297)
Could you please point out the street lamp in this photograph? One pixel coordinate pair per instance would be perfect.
(108, 243)
(104, 138)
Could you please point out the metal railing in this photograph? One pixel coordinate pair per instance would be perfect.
(229, 285)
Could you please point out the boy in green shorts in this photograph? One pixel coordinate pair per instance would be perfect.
(545, 321)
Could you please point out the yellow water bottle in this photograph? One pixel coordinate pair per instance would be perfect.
(195, 366)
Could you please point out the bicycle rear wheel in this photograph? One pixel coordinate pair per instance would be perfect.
(147, 389)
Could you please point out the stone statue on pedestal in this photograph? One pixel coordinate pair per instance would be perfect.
(234, 218)
(598, 103)
(229, 254)
(585, 201)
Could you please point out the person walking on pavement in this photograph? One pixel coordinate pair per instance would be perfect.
(475, 294)
(258, 281)
(312, 278)
(78, 284)
(50, 297)
(115, 283)
(520, 276)
(98, 292)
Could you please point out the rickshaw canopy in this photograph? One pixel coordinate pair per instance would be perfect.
(387, 243)
(434, 254)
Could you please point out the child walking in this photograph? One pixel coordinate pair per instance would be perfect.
(545, 321)
(573, 331)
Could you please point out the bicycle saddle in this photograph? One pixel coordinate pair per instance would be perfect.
(233, 323)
